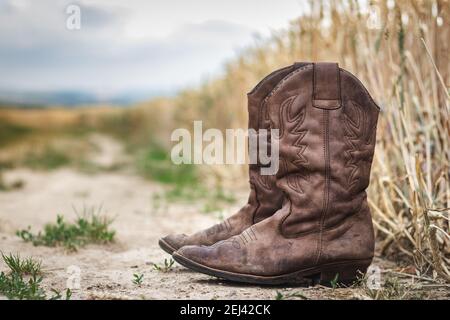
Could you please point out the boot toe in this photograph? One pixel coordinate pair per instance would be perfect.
(172, 242)
(221, 256)
(196, 258)
(207, 256)
(194, 253)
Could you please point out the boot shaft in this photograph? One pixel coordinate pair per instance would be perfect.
(264, 196)
(327, 122)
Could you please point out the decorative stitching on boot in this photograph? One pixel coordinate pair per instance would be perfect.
(247, 236)
(359, 137)
(300, 118)
(224, 225)
(293, 180)
(353, 131)
(286, 78)
(326, 193)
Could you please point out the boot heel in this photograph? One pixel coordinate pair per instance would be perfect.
(344, 274)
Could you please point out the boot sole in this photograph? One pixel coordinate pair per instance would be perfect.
(166, 247)
(332, 274)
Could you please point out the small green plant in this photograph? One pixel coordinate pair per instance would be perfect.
(22, 266)
(58, 296)
(137, 279)
(16, 286)
(23, 281)
(335, 283)
(290, 295)
(168, 263)
(86, 229)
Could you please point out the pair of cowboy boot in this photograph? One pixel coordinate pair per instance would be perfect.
(310, 223)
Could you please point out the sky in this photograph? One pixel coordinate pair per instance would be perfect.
(133, 45)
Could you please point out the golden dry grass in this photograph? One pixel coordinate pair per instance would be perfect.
(55, 117)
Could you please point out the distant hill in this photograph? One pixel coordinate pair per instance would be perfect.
(73, 98)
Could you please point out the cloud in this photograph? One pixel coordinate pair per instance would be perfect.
(97, 62)
(121, 45)
(95, 17)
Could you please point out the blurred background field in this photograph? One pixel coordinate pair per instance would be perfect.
(399, 49)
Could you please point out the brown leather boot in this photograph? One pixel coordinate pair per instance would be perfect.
(327, 122)
(265, 198)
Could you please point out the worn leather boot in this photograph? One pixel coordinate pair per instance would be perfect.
(264, 199)
(323, 232)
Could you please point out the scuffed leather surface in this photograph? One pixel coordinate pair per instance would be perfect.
(262, 250)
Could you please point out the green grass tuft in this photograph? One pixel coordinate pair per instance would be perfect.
(168, 264)
(137, 279)
(22, 266)
(85, 230)
(23, 281)
(335, 281)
